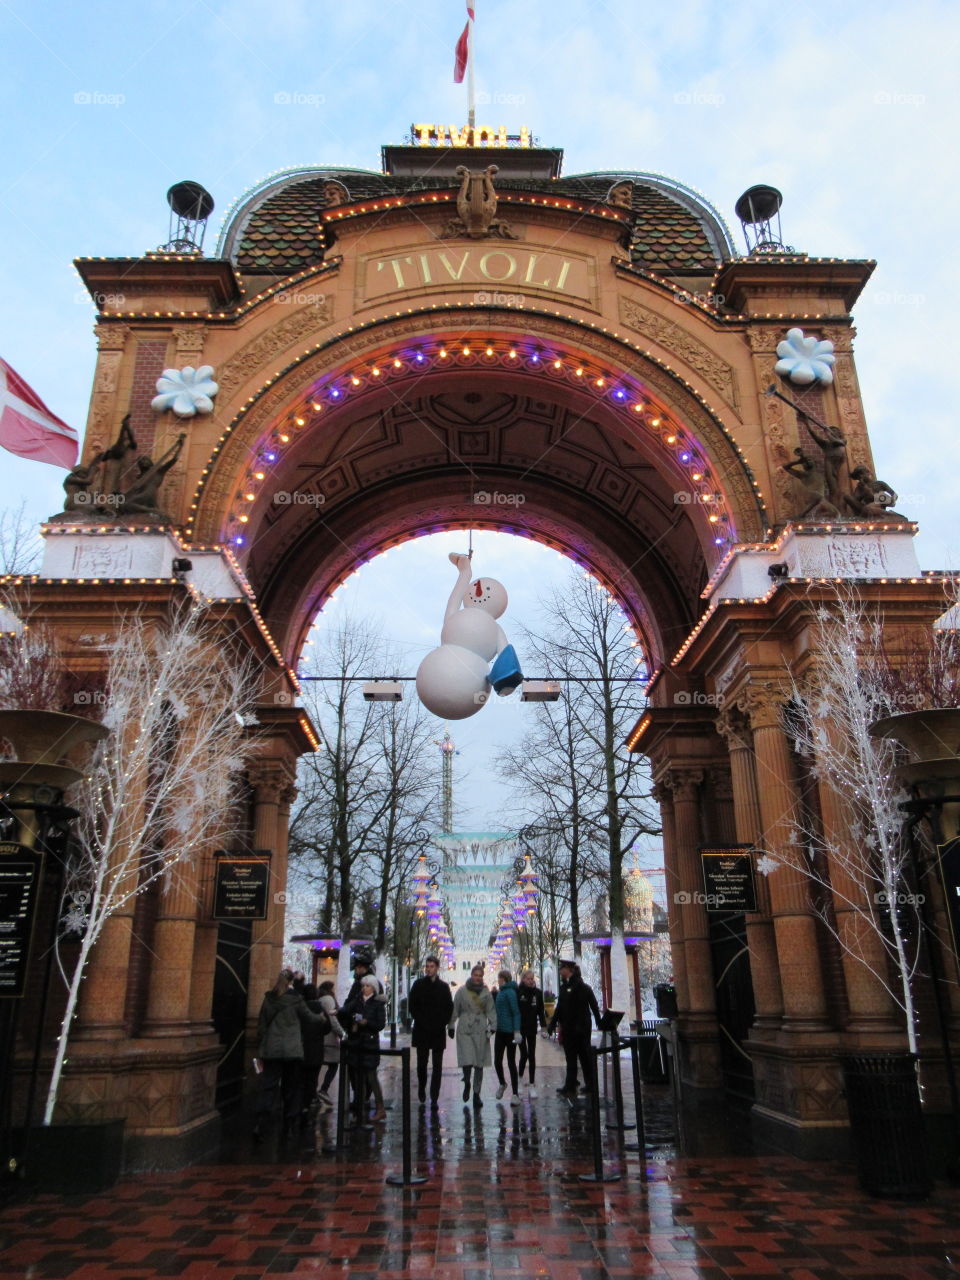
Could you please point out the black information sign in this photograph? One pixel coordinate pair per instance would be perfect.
(728, 878)
(242, 883)
(948, 856)
(21, 875)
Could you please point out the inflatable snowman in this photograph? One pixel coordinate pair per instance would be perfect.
(455, 680)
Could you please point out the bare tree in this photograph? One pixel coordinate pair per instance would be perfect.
(20, 545)
(158, 788)
(581, 782)
(853, 850)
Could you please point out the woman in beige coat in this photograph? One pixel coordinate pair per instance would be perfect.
(473, 1021)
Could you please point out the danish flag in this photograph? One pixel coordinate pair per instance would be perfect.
(28, 428)
(463, 47)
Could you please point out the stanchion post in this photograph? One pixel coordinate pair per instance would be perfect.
(641, 1143)
(342, 1092)
(619, 1123)
(598, 1174)
(407, 1178)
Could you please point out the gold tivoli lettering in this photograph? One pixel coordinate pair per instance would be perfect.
(524, 268)
(484, 135)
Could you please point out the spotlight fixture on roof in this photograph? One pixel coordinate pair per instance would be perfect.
(383, 691)
(540, 691)
(190, 207)
(759, 212)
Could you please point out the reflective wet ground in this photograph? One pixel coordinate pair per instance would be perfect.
(503, 1198)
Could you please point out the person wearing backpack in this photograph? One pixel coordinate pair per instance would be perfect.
(283, 1015)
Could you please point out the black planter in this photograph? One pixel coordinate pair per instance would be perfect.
(72, 1158)
(886, 1124)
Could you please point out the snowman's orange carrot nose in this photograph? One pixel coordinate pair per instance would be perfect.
(478, 588)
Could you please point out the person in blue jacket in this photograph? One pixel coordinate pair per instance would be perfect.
(508, 1033)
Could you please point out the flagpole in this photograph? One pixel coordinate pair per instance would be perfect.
(471, 95)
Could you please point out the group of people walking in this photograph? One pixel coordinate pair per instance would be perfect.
(301, 1029)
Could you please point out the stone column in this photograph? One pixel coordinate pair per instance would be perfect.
(723, 826)
(269, 780)
(764, 969)
(171, 967)
(698, 1021)
(664, 797)
(801, 979)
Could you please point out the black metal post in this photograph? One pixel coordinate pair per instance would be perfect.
(342, 1093)
(598, 1174)
(641, 1143)
(619, 1122)
(407, 1178)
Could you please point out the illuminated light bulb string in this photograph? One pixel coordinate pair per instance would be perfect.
(613, 390)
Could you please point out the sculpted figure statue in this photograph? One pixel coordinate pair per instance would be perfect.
(817, 505)
(93, 487)
(142, 494)
(872, 497)
(833, 444)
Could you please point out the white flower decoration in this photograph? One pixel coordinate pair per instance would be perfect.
(767, 865)
(804, 360)
(186, 391)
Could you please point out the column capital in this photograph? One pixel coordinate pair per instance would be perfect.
(288, 794)
(684, 783)
(762, 703)
(661, 792)
(734, 727)
(269, 781)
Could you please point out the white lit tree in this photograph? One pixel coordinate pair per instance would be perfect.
(160, 789)
(854, 851)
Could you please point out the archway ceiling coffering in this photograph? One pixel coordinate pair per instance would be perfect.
(400, 438)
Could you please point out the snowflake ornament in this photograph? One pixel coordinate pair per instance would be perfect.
(805, 359)
(186, 391)
(767, 865)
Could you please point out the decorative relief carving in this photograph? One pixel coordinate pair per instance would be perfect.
(710, 366)
(685, 784)
(276, 339)
(269, 781)
(111, 337)
(189, 339)
(734, 728)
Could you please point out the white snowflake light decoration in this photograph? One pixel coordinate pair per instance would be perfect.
(186, 391)
(805, 359)
(767, 865)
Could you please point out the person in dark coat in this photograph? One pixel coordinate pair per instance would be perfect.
(361, 967)
(364, 1018)
(532, 1018)
(283, 1016)
(431, 1005)
(575, 1014)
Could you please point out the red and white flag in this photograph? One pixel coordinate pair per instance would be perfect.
(463, 48)
(28, 428)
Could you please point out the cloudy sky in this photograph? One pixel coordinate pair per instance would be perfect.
(851, 112)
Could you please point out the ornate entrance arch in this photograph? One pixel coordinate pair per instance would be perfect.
(590, 350)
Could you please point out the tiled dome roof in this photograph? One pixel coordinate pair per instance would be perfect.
(674, 231)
